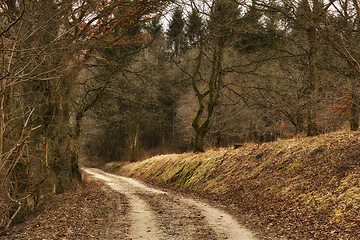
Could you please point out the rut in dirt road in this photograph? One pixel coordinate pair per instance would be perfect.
(159, 215)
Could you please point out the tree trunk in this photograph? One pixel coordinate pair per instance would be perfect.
(2, 101)
(313, 128)
(354, 112)
(199, 143)
(213, 93)
(133, 141)
(201, 129)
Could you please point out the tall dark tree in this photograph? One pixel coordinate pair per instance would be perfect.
(313, 16)
(306, 16)
(223, 15)
(154, 28)
(194, 27)
(251, 38)
(175, 32)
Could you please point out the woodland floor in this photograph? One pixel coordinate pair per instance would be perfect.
(95, 211)
(126, 210)
(84, 213)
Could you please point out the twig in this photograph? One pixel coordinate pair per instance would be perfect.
(13, 216)
(13, 23)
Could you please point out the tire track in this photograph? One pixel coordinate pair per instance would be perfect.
(143, 223)
(178, 220)
(157, 215)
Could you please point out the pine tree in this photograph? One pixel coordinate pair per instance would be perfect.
(154, 28)
(224, 18)
(251, 38)
(194, 28)
(176, 31)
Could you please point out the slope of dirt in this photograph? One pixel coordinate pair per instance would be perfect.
(304, 188)
(92, 211)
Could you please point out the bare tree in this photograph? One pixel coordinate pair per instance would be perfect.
(222, 18)
(340, 30)
(43, 44)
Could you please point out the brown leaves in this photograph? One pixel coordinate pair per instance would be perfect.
(81, 214)
(109, 21)
(303, 188)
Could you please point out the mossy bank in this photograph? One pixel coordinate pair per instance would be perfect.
(309, 181)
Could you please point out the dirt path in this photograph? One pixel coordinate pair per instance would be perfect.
(155, 214)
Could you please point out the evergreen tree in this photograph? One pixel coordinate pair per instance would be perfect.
(224, 16)
(176, 31)
(154, 28)
(251, 38)
(194, 28)
(273, 32)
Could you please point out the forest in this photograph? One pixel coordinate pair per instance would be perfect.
(123, 80)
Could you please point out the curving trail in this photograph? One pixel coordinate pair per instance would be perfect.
(155, 214)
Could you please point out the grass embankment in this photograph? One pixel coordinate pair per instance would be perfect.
(311, 182)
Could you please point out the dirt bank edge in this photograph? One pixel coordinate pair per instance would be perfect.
(303, 188)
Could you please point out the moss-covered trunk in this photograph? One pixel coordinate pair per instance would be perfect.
(213, 93)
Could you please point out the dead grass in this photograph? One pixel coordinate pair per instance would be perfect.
(319, 173)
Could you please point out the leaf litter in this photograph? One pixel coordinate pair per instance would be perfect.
(301, 188)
